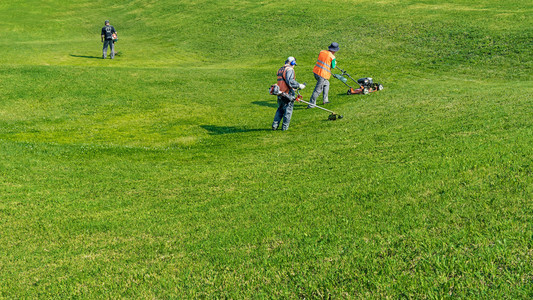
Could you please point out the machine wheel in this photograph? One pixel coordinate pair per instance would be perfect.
(380, 87)
(365, 91)
(349, 92)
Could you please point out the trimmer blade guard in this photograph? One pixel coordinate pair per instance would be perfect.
(334, 117)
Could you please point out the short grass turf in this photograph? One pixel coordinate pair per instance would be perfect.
(156, 174)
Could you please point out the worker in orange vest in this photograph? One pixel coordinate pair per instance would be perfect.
(287, 83)
(322, 72)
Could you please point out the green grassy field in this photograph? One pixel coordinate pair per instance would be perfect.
(156, 174)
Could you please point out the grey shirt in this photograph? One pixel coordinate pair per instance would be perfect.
(290, 80)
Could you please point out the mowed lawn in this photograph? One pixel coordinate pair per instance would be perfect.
(156, 174)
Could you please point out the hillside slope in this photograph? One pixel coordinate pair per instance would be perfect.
(156, 174)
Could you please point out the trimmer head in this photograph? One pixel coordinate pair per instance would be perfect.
(335, 116)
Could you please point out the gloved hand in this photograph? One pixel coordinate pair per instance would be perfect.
(302, 86)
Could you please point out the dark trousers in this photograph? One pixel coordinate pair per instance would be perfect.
(284, 112)
(111, 45)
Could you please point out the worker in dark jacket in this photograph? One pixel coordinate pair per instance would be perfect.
(107, 39)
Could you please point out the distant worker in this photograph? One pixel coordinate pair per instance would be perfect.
(107, 38)
(287, 83)
(322, 71)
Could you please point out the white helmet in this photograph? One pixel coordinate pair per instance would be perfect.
(291, 60)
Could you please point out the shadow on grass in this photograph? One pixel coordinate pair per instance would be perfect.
(273, 104)
(217, 130)
(86, 56)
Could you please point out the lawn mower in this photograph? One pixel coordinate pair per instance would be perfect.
(366, 84)
(333, 116)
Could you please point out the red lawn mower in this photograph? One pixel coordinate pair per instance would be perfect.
(366, 84)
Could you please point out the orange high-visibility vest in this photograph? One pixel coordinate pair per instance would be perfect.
(282, 74)
(323, 64)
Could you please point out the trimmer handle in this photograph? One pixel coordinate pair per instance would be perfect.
(299, 97)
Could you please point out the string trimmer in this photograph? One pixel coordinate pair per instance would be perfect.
(333, 116)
